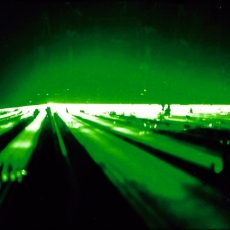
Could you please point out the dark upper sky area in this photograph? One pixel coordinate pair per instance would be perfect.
(114, 52)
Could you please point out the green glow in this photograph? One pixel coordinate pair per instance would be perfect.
(119, 156)
(8, 125)
(63, 70)
(138, 53)
(132, 171)
(12, 176)
(19, 176)
(141, 110)
(150, 111)
(128, 167)
(18, 173)
(24, 172)
(123, 130)
(4, 176)
(61, 142)
(60, 139)
(189, 152)
(34, 126)
(22, 144)
(18, 152)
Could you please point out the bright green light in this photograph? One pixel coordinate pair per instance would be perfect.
(19, 151)
(22, 144)
(5, 177)
(86, 130)
(36, 124)
(10, 124)
(19, 176)
(33, 127)
(18, 173)
(122, 130)
(12, 176)
(24, 172)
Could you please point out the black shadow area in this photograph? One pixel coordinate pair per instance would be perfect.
(98, 202)
(42, 200)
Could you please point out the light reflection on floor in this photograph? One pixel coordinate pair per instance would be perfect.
(16, 155)
(136, 173)
(133, 171)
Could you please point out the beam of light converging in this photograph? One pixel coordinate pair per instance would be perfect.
(17, 154)
(189, 152)
(135, 173)
(134, 131)
(7, 124)
(146, 180)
